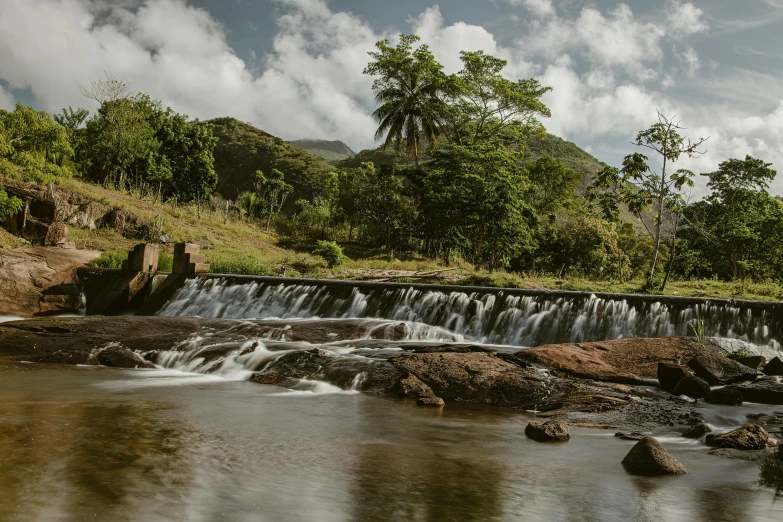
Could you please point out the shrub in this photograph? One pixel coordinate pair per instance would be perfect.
(331, 252)
(739, 353)
(112, 259)
(9, 205)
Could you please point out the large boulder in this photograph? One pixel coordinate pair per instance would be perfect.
(774, 367)
(118, 356)
(293, 365)
(717, 369)
(669, 374)
(649, 457)
(57, 234)
(750, 437)
(693, 387)
(430, 402)
(725, 396)
(763, 391)
(550, 431)
(697, 431)
(755, 362)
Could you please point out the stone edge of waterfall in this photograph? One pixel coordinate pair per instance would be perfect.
(647, 298)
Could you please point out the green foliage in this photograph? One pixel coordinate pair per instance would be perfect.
(331, 252)
(9, 205)
(771, 467)
(409, 85)
(739, 353)
(33, 147)
(241, 265)
(553, 185)
(111, 259)
(242, 150)
(474, 201)
(697, 327)
(136, 142)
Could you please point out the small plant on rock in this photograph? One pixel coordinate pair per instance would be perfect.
(697, 327)
(739, 353)
(331, 252)
(772, 468)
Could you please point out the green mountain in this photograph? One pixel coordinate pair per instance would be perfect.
(331, 151)
(243, 149)
(565, 151)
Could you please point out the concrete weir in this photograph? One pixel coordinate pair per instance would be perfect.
(139, 285)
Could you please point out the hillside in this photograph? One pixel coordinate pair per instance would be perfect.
(243, 149)
(331, 151)
(565, 151)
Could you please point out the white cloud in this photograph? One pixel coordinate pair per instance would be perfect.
(685, 18)
(691, 61)
(541, 8)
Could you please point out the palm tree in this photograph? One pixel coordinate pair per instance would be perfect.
(409, 88)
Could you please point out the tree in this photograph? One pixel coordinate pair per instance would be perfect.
(652, 194)
(9, 206)
(474, 199)
(71, 119)
(552, 184)
(408, 86)
(272, 192)
(106, 89)
(738, 226)
(32, 146)
(487, 106)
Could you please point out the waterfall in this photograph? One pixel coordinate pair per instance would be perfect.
(508, 317)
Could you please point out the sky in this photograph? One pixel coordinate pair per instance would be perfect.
(294, 67)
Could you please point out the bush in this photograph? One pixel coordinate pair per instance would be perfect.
(9, 205)
(331, 252)
(739, 353)
(112, 259)
(772, 468)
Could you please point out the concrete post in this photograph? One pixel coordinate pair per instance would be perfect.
(143, 258)
(187, 260)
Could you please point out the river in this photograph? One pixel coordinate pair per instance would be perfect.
(92, 443)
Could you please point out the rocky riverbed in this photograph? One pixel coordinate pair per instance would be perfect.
(612, 384)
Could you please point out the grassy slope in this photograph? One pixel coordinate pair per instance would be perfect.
(331, 151)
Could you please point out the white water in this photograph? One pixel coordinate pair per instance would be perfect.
(489, 318)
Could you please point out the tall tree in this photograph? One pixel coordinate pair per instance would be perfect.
(488, 106)
(552, 184)
(652, 194)
(408, 85)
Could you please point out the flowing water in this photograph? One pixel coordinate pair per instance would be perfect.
(89, 443)
(495, 317)
(194, 440)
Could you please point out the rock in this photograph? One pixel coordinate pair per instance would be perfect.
(623, 361)
(717, 369)
(120, 357)
(433, 402)
(550, 431)
(735, 454)
(774, 367)
(481, 378)
(755, 362)
(693, 387)
(725, 396)
(411, 386)
(697, 431)
(750, 437)
(763, 391)
(57, 234)
(629, 436)
(649, 457)
(670, 374)
(293, 365)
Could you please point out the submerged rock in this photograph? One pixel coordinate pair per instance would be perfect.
(725, 396)
(669, 374)
(121, 357)
(750, 437)
(716, 369)
(774, 367)
(432, 402)
(550, 431)
(692, 387)
(649, 457)
(629, 436)
(697, 431)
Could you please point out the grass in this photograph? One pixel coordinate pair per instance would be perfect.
(235, 246)
(772, 468)
(8, 240)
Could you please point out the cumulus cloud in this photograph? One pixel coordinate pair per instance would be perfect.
(6, 99)
(685, 18)
(541, 8)
(691, 61)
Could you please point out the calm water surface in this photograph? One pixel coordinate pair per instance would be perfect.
(89, 443)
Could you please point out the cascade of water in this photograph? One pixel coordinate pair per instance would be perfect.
(487, 317)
